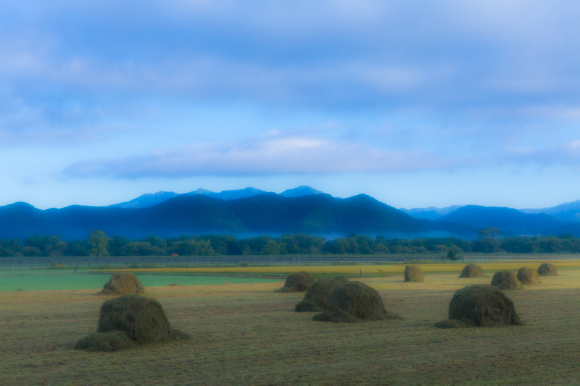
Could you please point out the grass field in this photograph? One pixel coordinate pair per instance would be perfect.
(246, 334)
(37, 280)
(359, 269)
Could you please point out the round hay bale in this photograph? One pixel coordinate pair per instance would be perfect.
(506, 280)
(471, 270)
(141, 318)
(352, 302)
(105, 341)
(297, 282)
(316, 299)
(547, 269)
(480, 305)
(342, 279)
(122, 284)
(528, 276)
(413, 273)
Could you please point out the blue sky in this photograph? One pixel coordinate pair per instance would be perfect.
(416, 103)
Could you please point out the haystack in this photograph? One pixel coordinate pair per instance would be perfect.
(105, 341)
(122, 284)
(547, 270)
(297, 282)
(506, 280)
(528, 276)
(316, 299)
(413, 273)
(142, 320)
(342, 279)
(352, 302)
(480, 305)
(471, 270)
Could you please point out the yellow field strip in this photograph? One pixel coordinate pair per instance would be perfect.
(356, 269)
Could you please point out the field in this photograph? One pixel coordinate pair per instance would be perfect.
(358, 269)
(246, 334)
(37, 280)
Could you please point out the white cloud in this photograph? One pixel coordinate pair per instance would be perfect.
(264, 156)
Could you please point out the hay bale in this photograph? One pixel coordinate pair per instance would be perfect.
(297, 282)
(480, 305)
(528, 276)
(122, 284)
(471, 270)
(316, 299)
(342, 279)
(547, 270)
(413, 273)
(506, 280)
(139, 318)
(352, 302)
(105, 341)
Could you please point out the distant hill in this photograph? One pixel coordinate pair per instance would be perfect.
(569, 211)
(151, 199)
(146, 200)
(302, 190)
(267, 213)
(508, 220)
(430, 213)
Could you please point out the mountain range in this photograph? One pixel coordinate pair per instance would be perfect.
(151, 199)
(250, 212)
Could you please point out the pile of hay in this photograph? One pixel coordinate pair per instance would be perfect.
(471, 270)
(413, 273)
(127, 321)
(297, 282)
(506, 280)
(528, 276)
(352, 302)
(480, 305)
(342, 279)
(122, 284)
(316, 299)
(547, 270)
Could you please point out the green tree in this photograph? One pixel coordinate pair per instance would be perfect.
(452, 255)
(98, 241)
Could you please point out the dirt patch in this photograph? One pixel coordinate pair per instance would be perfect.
(471, 271)
(122, 284)
(480, 305)
(297, 282)
(316, 299)
(506, 280)
(547, 269)
(353, 302)
(413, 274)
(528, 276)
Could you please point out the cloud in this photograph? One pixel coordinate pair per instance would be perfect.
(552, 154)
(271, 155)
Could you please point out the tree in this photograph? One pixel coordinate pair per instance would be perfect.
(452, 255)
(99, 242)
(489, 233)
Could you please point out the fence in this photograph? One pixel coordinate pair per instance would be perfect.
(88, 262)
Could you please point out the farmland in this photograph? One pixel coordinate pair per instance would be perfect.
(246, 334)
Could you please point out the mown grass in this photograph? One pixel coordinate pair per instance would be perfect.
(359, 269)
(35, 280)
(246, 334)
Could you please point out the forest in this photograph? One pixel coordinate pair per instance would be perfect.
(100, 244)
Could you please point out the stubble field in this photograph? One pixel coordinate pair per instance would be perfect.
(246, 334)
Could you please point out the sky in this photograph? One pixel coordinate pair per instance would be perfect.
(416, 103)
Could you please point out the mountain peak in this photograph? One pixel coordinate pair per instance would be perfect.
(303, 190)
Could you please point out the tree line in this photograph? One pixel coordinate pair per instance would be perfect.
(99, 244)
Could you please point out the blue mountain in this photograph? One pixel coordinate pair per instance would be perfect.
(151, 199)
